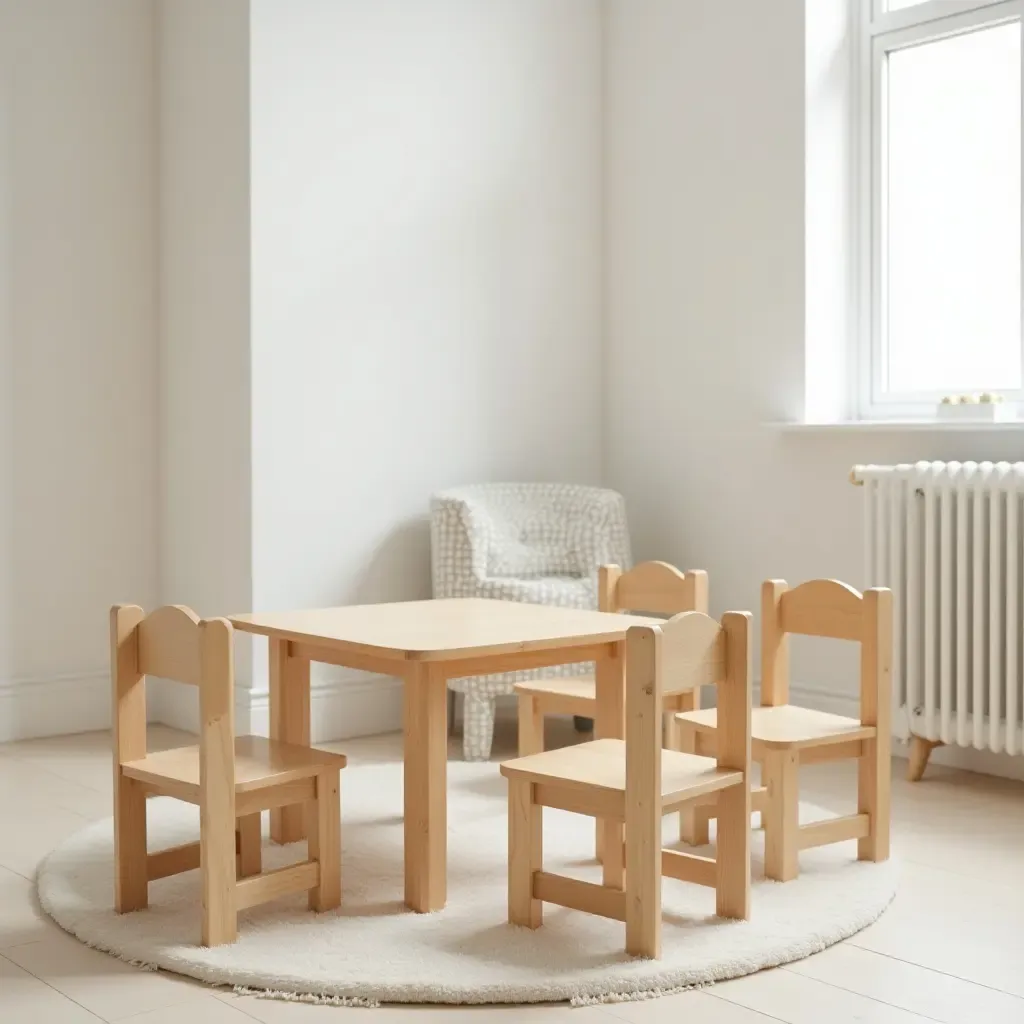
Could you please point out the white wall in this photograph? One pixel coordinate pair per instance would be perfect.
(427, 235)
(426, 251)
(78, 520)
(204, 259)
(706, 329)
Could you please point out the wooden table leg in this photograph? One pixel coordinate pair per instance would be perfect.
(426, 797)
(610, 723)
(289, 723)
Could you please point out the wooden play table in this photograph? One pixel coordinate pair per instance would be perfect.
(426, 643)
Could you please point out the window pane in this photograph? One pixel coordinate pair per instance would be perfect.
(952, 258)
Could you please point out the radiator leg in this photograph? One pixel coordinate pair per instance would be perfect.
(920, 751)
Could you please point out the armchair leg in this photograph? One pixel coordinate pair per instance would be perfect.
(477, 727)
(451, 712)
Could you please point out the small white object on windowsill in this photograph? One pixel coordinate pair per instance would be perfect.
(984, 408)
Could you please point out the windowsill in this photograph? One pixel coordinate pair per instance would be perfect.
(896, 426)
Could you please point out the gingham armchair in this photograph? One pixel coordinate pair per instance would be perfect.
(537, 543)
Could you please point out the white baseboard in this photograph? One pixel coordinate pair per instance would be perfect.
(353, 704)
(985, 762)
(177, 705)
(54, 705)
(821, 700)
(360, 705)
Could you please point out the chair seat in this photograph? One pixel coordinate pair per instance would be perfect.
(259, 764)
(578, 693)
(601, 765)
(785, 726)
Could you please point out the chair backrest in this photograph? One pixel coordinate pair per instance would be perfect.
(173, 643)
(653, 588)
(836, 611)
(687, 651)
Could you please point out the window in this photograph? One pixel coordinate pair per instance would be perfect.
(940, 197)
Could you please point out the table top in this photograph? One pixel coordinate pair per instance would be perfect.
(443, 629)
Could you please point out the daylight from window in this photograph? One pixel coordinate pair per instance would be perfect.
(952, 259)
(939, 204)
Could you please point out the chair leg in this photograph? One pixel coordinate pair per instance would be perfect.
(613, 866)
(531, 725)
(671, 735)
(477, 727)
(643, 889)
(694, 819)
(732, 853)
(525, 853)
(250, 839)
(781, 815)
(131, 875)
(325, 841)
(695, 823)
(218, 870)
(874, 771)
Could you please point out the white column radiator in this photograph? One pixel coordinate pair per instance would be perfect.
(948, 538)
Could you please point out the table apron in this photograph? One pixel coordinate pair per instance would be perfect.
(347, 658)
(454, 667)
(519, 661)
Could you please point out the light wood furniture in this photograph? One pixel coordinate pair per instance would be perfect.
(232, 780)
(426, 643)
(785, 736)
(637, 781)
(651, 587)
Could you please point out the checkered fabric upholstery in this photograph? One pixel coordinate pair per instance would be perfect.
(539, 543)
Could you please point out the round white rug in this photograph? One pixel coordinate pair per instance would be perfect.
(374, 950)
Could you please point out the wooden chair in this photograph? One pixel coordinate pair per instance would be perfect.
(653, 588)
(636, 782)
(786, 736)
(232, 780)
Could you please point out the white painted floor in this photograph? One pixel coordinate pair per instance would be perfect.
(951, 948)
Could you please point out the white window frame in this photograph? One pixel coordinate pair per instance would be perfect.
(879, 33)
